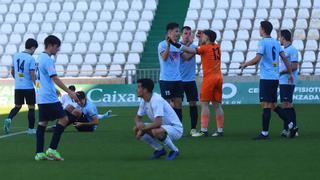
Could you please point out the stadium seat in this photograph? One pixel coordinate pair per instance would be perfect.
(76, 59)
(234, 69)
(150, 5)
(203, 24)
(116, 26)
(147, 15)
(19, 28)
(129, 69)
(133, 58)
(247, 14)
(275, 23)
(220, 14)
(262, 13)
(224, 68)
(301, 24)
(105, 16)
(139, 36)
(84, 37)
(28, 7)
(240, 45)
(217, 24)
(72, 71)
(298, 44)
(108, 47)
(223, 4)
(275, 14)
(3, 8)
(70, 37)
(206, 14)
(4, 72)
(245, 24)
(118, 58)
(137, 47)
(126, 36)
(231, 24)
(208, 4)
(41, 7)
(195, 4)
(101, 70)
(129, 26)
(80, 48)
(123, 5)
(90, 59)
(264, 4)
(255, 35)
(102, 26)
(82, 6)
(78, 16)
(68, 6)
(123, 47)
(94, 47)
(119, 16)
(15, 8)
(256, 23)
(198, 59)
(249, 71)
(228, 35)
(15, 39)
(60, 70)
(277, 4)
(10, 18)
(303, 14)
(74, 27)
(144, 26)
(309, 56)
(314, 24)
(54, 7)
(133, 15)
(6, 60)
(92, 16)
(289, 13)
(6, 28)
(98, 37)
(234, 14)
(237, 57)
(62, 59)
(95, 6)
(3, 39)
(299, 34)
(253, 45)
(311, 45)
(225, 57)
(307, 68)
(109, 5)
(115, 70)
(112, 36)
(250, 55)
(315, 13)
(86, 70)
(136, 5)
(104, 59)
(11, 49)
(292, 4)
(316, 4)
(226, 46)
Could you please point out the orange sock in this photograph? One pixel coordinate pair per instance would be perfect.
(219, 120)
(204, 121)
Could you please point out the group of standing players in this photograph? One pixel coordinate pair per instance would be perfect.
(278, 68)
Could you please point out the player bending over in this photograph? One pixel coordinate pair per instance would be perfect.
(165, 125)
(211, 87)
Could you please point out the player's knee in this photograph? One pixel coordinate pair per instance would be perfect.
(286, 105)
(157, 133)
(192, 103)
(18, 106)
(76, 112)
(70, 108)
(31, 106)
(63, 121)
(44, 124)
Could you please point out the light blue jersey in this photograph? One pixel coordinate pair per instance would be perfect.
(170, 68)
(89, 110)
(270, 50)
(45, 88)
(188, 68)
(292, 55)
(22, 64)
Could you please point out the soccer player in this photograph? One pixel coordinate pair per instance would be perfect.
(170, 78)
(49, 106)
(287, 112)
(66, 99)
(268, 53)
(165, 125)
(211, 87)
(188, 75)
(22, 70)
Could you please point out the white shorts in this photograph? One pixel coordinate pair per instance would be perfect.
(174, 132)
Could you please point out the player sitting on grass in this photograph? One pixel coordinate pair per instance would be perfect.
(211, 87)
(165, 125)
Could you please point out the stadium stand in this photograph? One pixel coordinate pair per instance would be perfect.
(97, 36)
(100, 36)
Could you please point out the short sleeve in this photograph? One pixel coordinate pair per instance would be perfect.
(261, 48)
(92, 111)
(294, 56)
(141, 111)
(161, 48)
(50, 68)
(32, 64)
(157, 109)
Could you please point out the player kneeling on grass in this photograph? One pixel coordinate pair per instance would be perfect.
(165, 127)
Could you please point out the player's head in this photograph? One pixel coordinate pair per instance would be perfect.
(52, 44)
(31, 45)
(145, 86)
(285, 36)
(208, 36)
(265, 28)
(186, 33)
(72, 88)
(82, 98)
(173, 31)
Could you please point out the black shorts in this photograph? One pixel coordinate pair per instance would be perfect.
(191, 90)
(24, 94)
(73, 119)
(171, 89)
(51, 111)
(268, 90)
(286, 92)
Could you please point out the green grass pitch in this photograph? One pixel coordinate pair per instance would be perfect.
(113, 153)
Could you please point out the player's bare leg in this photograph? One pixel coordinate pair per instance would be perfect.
(205, 117)
(219, 118)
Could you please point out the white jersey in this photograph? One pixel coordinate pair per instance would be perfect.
(66, 100)
(156, 107)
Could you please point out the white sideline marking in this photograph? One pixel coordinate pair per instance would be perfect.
(24, 132)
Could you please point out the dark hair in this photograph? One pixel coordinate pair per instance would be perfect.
(286, 34)
(266, 26)
(146, 84)
(211, 34)
(81, 95)
(30, 43)
(172, 26)
(72, 88)
(53, 40)
(186, 28)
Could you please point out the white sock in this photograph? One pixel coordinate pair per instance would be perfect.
(151, 141)
(170, 144)
(204, 129)
(265, 133)
(99, 116)
(290, 125)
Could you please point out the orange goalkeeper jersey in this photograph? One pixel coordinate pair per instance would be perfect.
(211, 60)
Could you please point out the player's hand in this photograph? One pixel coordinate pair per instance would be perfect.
(77, 124)
(290, 80)
(168, 40)
(139, 134)
(73, 96)
(242, 66)
(140, 126)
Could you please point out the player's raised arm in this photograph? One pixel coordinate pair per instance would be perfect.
(61, 85)
(164, 55)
